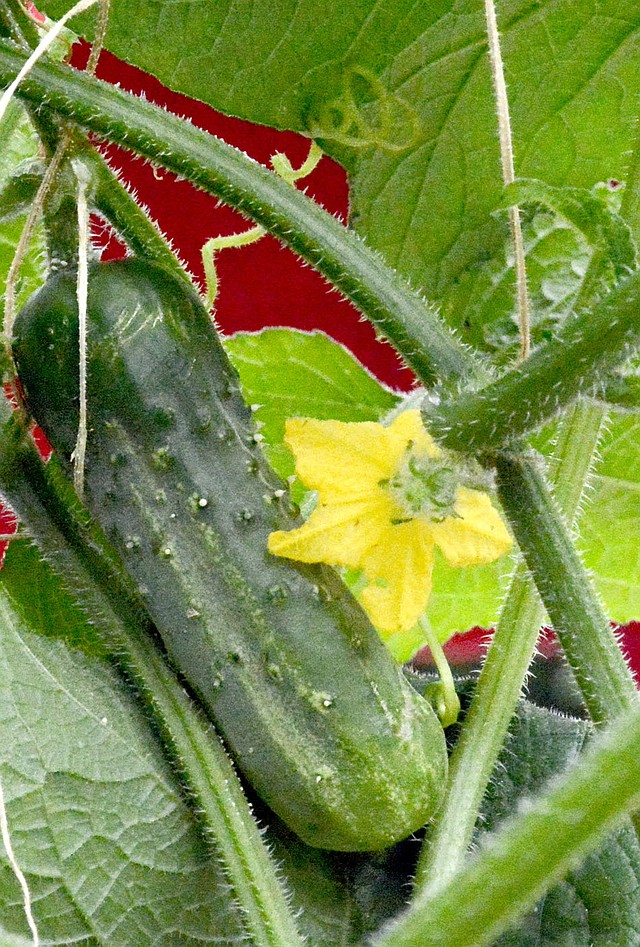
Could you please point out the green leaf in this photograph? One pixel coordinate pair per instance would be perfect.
(8, 940)
(401, 94)
(286, 373)
(18, 144)
(18, 141)
(20, 189)
(577, 247)
(599, 902)
(109, 850)
(610, 524)
(466, 598)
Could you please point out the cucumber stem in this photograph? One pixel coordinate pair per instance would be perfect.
(131, 222)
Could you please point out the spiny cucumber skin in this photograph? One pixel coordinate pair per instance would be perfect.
(577, 361)
(315, 712)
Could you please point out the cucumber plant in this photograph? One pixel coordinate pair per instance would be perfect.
(146, 629)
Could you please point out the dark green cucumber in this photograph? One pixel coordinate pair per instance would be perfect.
(314, 710)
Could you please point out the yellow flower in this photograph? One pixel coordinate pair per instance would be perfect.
(387, 496)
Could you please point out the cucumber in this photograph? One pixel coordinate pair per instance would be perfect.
(313, 709)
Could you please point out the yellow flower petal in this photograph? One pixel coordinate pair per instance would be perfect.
(399, 570)
(476, 536)
(346, 460)
(409, 429)
(341, 461)
(339, 534)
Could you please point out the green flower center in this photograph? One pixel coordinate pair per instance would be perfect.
(424, 486)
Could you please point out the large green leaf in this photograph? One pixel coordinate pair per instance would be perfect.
(109, 850)
(610, 525)
(599, 902)
(401, 93)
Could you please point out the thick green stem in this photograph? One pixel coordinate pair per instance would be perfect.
(573, 607)
(407, 321)
(508, 658)
(128, 218)
(78, 553)
(576, 361)
(532, 853)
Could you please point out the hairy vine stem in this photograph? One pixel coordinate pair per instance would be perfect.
(401, 315)
(575, 362)
(508, 177)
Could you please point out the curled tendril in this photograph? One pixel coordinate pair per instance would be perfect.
(383, 120)
(283, 167)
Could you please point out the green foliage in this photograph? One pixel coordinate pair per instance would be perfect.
(599, 902)
(401, 95)
(423, 158)
(108, 847)
(609, 528)
(323, 380)
(19, 150)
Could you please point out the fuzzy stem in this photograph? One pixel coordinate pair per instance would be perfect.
(587, 346)
(508, 658)
(82, 290)
(573, 607)
(47, 40)
(131, 222)
(408, 322)
(447, 700)
(533, 852)
(508, 176)
(79, 554)
(100, 36)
